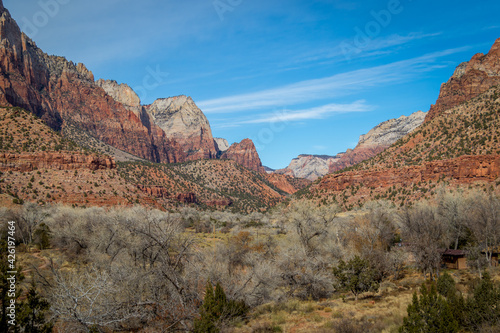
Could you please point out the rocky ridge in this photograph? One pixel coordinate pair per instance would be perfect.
(470, 79)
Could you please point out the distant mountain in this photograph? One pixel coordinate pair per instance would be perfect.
(375, 141)
(309, 166)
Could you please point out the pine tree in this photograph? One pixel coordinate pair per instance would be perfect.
(217, 309)
(430, 313)
(357, 276)
(32, 316)
(484, 306)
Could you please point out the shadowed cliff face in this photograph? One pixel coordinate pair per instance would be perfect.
(469, 80)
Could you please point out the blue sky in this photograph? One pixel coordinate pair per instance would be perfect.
(295, 76)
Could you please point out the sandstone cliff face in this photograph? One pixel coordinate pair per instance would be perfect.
(309, 167)
(464, 169)
(379, 139)
(123, 94)
(388, 132)
(26, 162)
(245, 154)
(469, 80)
(183, 121)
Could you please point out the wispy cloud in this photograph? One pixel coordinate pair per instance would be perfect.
(320, 112)
(329, 87)
(377, 44)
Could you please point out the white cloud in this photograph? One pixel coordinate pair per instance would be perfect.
(320, 112)
(328, 87)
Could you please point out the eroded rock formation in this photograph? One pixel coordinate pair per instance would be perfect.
(469, 80)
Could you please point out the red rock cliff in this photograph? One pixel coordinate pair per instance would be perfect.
(245, 154)
(463, 169)
(469, 80)
(25, 162)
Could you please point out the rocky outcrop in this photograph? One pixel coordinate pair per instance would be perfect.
(221, 144)
(187, 198)
(26, 162)
(183, 121)
(123, 94)
(469, 80)
(245, 154)
(463, 169)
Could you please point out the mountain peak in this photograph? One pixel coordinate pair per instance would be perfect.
(496, 46)
(121, 93)
(245, 154)
(470, 79)
(183, 121)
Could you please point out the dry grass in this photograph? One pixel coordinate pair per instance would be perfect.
(380, 312)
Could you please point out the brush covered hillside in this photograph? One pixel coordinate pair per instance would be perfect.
(40, 165)
(457, 145)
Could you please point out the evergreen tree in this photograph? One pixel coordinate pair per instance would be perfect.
(430, 313)
(206, 322)
(357, 276)
(217, 309)
(446, 285)
(32, 316)
(484, 306)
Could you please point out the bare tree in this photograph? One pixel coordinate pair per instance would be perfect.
(485, 222)
(425, 235)
(454, 210)
(89, 298)
(311, 224)
(30, 216)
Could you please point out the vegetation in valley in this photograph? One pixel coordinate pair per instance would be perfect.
(302, 266)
